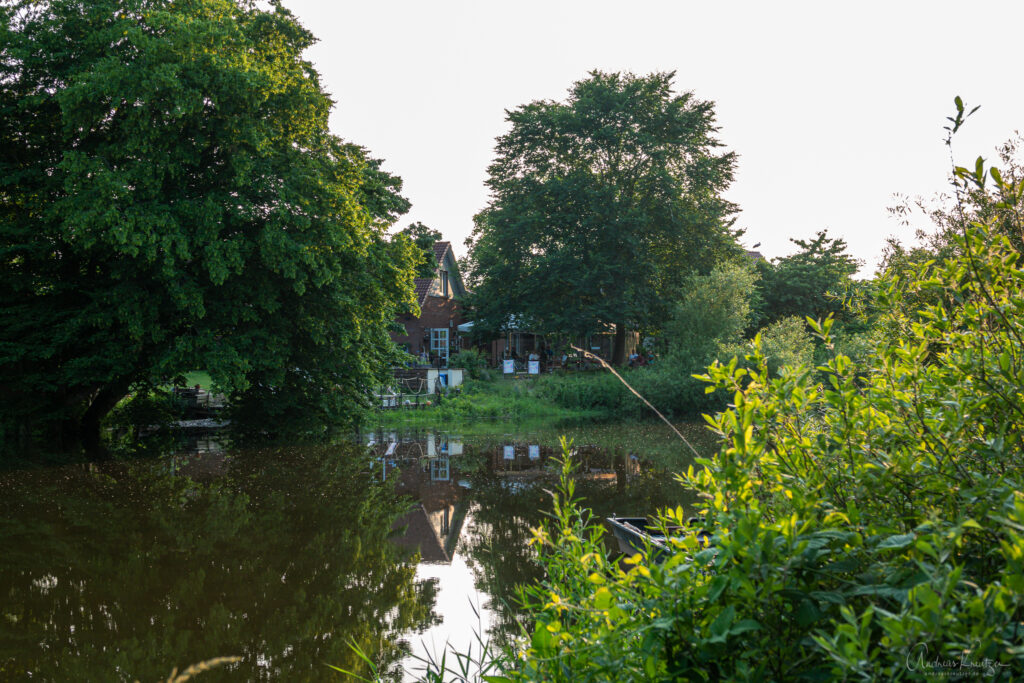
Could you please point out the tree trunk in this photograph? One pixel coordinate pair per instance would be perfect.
(619, 348)
(89, 427)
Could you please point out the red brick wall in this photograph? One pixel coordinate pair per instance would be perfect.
(437, 312)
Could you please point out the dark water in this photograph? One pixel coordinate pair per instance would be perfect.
(284, 557)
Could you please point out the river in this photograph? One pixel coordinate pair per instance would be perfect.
(398, 542)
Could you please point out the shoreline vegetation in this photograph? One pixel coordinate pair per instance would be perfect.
(484, 399)
(866, 516)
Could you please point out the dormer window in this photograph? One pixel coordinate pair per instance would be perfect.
(444, 283)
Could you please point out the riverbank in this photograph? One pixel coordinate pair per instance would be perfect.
(502, 399)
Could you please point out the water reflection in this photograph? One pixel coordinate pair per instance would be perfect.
(284, 556)
(125, 571)
(477, 497)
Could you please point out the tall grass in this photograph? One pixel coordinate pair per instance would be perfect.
(500, 399)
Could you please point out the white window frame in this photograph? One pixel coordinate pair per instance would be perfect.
(439, 469)
(439, 342)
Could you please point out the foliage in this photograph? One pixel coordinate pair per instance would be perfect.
(172, 199)
(667, 384)
(974, 199)
(586, 391)
(947, 215)
(141, 423)
(787, 342)
(473, 361)
(499, 399)
(869, 528)
(714, 310)
(601, 207)
(705, 324)
(812, 282)
(424, 239)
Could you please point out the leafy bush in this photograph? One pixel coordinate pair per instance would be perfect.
(711, 318)
(868, 527)
(787, 342)
(471, 360)
(715, 311)
(596, 390)
(157, 407)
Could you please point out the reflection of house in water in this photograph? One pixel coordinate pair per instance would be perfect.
(524, 461)
(422, 469)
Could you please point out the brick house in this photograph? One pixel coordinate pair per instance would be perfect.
(433, 334)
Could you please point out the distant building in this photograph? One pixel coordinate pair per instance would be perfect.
(433, 335)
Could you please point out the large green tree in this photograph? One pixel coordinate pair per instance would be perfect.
(812, 282)
(171, 198)
(601, 207)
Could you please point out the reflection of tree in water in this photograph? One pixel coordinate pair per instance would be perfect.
(495, 543)
(128, 571)
(509, 498)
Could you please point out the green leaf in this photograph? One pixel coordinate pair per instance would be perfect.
(897, 541)
(718, 584)
(720, 626)
(542, 639)
(829, 596)
(1004, 362)
(807, 613)
(744, 626)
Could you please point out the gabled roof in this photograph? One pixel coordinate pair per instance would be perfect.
(422, 285)
(439, 250)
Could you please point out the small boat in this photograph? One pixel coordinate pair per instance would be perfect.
(635, 533)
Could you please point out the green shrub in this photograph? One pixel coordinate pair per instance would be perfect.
(867, 527)
(715, 311)
(787, 342)
(587, 391)
(471, 360)
(711, 316)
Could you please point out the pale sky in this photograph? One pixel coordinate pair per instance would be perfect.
(832, 108)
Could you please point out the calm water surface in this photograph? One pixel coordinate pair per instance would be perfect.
(399, 542)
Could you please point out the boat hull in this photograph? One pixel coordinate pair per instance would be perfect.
(639, 535)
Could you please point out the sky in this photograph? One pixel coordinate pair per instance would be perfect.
(833, 108)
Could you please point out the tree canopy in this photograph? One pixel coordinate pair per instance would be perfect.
(424, 239)
(171, 199)
(807, 283)
(600, 208)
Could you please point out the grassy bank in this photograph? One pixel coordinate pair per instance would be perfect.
(497, 399)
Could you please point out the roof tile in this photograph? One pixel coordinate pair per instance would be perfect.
(422, 285)
(439, 249)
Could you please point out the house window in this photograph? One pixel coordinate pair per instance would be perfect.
(439, 469)
(444, 283)
(439, 342)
